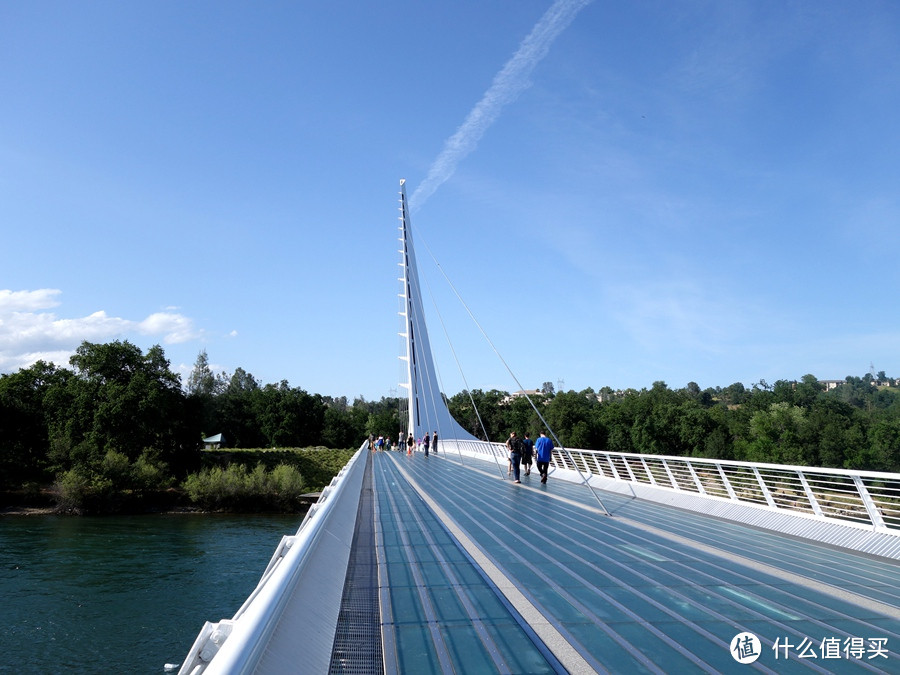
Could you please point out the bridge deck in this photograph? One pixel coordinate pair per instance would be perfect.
(478, 574)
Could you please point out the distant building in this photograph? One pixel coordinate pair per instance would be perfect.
(519, 394)
(604, 396)
(214, 442)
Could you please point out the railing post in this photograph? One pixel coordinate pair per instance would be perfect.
(628, 469)
(597, 465)
(810, 495)
(612, 466)
(587, 465)
(650, 476)
(727, 483)
(765, 489)
(696, 478)
(671, 475)
(869, 503)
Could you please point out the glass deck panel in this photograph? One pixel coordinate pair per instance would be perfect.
(415, 649)
(399, 573)
(665, 601)
(513, 647)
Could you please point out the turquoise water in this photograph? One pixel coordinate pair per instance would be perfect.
(124, 594)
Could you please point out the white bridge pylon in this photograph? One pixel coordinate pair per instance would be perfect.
(427, 410)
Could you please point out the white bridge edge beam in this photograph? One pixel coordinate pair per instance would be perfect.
(301, 595)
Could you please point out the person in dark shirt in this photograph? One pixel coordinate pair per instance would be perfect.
(514, 445)
(527, 452)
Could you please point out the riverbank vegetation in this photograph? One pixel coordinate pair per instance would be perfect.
(118, 431)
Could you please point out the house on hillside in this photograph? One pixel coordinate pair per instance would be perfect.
(519, 394)
(214, 442)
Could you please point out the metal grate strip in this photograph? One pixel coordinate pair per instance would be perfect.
(357, 640)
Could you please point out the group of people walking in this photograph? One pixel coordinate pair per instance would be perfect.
(380, 443)
(523, 450)
(427, 442)
(424, 443)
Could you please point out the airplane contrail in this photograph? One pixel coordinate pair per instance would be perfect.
(511, 81)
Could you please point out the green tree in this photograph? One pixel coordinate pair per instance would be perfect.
(614, 420)
(883, 454)
(126, 401)
(384, 419)
(570, 415)
(289, 417)
(202, 381)
(232, 412)
(487, 408)
(735, 394)
(856, 391)
(775, 435)
(807, 391)
(24, 420)
(656, 431)
(242, 382)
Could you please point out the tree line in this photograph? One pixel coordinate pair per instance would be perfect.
(855, 425)
(120, 419)
(119, 416)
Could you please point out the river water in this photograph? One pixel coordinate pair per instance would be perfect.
(123, 594)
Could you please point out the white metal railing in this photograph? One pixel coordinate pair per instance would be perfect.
(233, 646)
(867, 499)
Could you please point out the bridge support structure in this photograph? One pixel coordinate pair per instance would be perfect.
(427, 410)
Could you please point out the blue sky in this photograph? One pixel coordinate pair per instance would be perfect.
(620, 192)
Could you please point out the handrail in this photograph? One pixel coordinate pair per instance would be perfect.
(867, 498)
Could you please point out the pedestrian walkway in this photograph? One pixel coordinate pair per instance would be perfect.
(478, 574)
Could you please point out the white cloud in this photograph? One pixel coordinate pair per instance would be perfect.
(17, 361)
(29, 333)
(176, 328)
(17, 301)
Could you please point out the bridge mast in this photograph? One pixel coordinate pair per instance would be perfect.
(427, 410)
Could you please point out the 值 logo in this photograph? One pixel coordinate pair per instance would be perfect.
(745, 647)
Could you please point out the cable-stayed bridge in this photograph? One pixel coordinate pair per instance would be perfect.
(619, 563)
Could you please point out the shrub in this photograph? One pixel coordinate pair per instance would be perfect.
(83, 491)
(236, 489)
(317, 465)
(116, 467)
(149, 473)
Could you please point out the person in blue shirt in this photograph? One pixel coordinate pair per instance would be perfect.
(543, 448)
